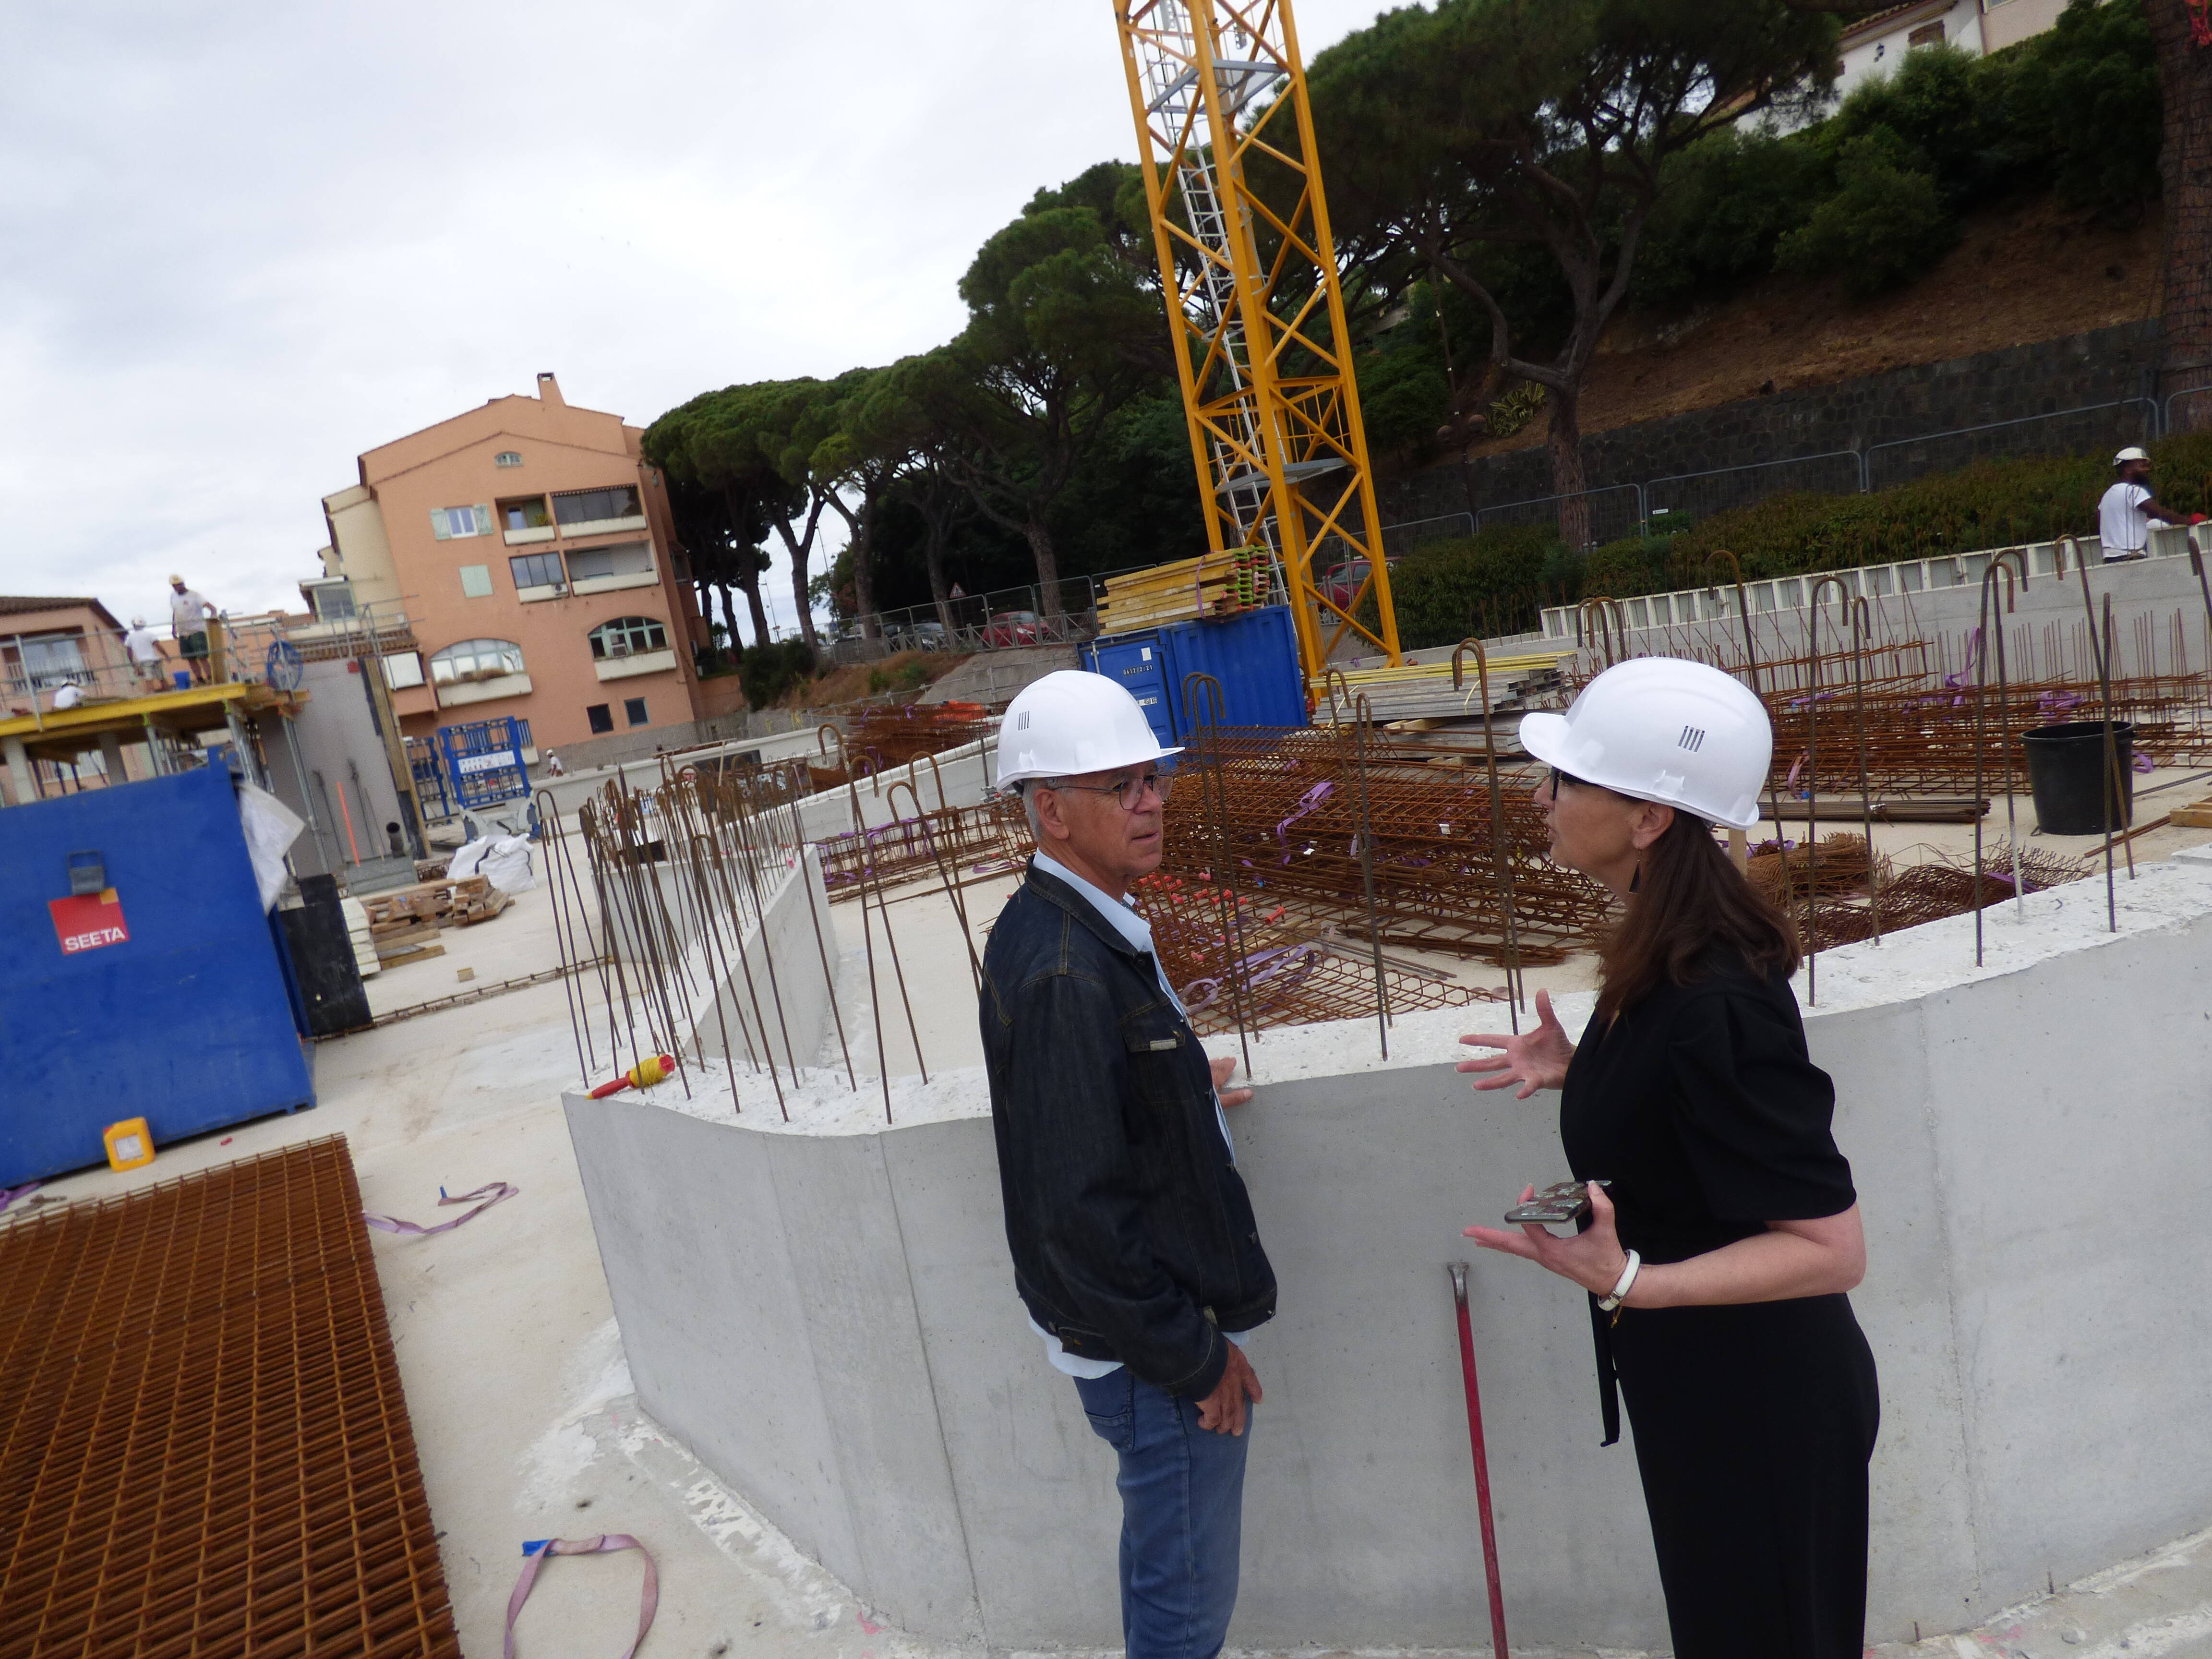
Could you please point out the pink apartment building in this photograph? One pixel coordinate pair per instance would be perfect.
(531, 550)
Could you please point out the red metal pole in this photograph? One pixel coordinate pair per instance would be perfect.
(1481, 1462)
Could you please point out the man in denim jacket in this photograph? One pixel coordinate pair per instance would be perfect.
(1135, 1251)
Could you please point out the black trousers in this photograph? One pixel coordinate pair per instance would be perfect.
(1753, 1427)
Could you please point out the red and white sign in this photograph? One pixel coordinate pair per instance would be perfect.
(88, 921)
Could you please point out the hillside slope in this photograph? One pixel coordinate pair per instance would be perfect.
(2022, 274)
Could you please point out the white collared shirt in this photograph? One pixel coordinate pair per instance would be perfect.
(1120, 914)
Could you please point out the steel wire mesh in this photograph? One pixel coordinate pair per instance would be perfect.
(203, 1446)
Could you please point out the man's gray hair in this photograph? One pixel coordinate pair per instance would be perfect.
(1029, 802)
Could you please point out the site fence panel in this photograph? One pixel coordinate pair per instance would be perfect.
(1613, 512)
(1694, 496)
(2188, 409)
(2063, 432)
(1400, 539)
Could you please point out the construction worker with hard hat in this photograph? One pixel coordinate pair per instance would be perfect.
(1722, 1233)
(2124, 511)
(1135, 1250)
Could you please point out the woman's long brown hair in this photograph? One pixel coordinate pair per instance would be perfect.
(1688, 899)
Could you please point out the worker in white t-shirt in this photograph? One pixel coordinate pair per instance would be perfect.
(188, 614)
(2123, 515)
(144, 650)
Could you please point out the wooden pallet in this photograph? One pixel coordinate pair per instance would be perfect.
(444, 903)
(2197, 815)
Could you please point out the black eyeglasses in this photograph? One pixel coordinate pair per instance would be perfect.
(1129, 792)
(1560, 777)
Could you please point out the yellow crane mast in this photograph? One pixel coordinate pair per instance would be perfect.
(1218, 85)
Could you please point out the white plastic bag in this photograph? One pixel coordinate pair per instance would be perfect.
(507, 864)
(270, 829)
(464, 862)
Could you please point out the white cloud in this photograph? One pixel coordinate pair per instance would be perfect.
(239, 244)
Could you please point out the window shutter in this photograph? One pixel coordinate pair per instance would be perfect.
(483, 521)
(438, 523)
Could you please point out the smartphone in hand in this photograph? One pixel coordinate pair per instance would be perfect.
(1561, 1204)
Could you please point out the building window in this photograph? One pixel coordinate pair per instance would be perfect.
(629, 637)
(475, 581)
(593, 506)
(634, 710)
(1927, 34)
(330, 601)
(476, 660)
(602, 717)
(524, 513)
(623, 559)
(41, 662)
(536, 570)
(507, 458)
(449, 522)
(402, 669)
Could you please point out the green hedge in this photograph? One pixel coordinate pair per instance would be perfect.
(1992, 504)
(1490, 583)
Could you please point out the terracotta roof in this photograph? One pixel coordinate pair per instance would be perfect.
(12, 607)
(1880, 22)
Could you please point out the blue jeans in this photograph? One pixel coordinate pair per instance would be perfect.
(1182, 1515)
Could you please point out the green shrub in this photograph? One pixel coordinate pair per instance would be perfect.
(1632, 565)
(767, 672)
(1728, 199)
(2082, 108)
(1486, 584)
(1889, 224)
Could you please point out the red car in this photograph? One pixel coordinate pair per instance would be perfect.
(1342, 584)
(1011, 628)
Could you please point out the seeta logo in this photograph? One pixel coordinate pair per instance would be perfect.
(88, 921)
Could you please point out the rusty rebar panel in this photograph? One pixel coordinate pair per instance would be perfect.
(203, 1448)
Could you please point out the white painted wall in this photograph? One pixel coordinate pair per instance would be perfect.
(825, 1313)
(1881, 49)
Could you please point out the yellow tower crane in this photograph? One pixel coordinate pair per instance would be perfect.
(1265, 356)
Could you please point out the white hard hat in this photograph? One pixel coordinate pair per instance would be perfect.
(2130, 453)
(1072, 722)
(1663, 729)
(138, 621)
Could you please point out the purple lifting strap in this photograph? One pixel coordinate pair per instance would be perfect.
(494, 1192)
(648, 1602)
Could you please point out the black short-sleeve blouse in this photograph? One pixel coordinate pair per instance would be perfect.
(1700, 1106)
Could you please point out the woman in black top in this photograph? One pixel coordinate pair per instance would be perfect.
(1729, 1229)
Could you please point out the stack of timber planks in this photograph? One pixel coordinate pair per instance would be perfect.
(1211, 585)
(403, 922)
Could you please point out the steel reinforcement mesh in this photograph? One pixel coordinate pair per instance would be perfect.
(203, 1448)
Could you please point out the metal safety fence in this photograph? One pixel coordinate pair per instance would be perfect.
(1655, 506)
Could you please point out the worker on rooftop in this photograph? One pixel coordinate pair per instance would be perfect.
(2124, 513)
(1135, 1250)
(145, 653)
(188, 614)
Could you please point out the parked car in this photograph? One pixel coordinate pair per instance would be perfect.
(1011, 628)
(1340, 586)
(921, 636)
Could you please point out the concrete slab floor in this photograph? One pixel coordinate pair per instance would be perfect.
(520, 1398)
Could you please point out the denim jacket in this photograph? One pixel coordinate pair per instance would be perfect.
(1132, 1234)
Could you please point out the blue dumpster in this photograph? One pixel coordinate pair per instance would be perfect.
(159, 992)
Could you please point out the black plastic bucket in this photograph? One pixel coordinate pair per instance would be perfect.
(2066, 771)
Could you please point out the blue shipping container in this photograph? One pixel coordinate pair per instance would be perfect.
(1255, 656)
(163, 996)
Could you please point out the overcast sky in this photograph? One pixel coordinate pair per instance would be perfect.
(240, 245)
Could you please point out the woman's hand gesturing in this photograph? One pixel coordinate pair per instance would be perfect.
(1534, 1060)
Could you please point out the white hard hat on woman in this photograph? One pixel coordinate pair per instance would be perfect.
(1667, 730)
(1072, 722)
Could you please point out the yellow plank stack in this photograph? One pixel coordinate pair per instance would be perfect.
(1211, 585)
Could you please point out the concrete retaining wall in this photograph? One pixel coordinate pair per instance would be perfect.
(959, 777)
(827, 1316)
